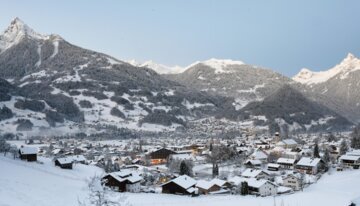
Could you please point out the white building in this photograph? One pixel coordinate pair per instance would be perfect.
(292, 181)
(262, 187)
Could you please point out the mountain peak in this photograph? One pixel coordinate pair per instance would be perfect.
(349, 64)
(17, 31)
(218, 64)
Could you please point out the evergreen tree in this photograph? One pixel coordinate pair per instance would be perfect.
(215, 170)
(326, 157)
(343, 147)
(316, 151)
(244, 188)
(184, 169)
(355, 137)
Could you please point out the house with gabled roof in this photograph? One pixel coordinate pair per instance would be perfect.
(286, 163)
(255, 173)
(183, 184)
(292, 181)
(123, 181)
(309, 165)
(28, 153)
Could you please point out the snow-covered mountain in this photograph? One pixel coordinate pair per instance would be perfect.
(50, 85)
(158, 68)
(288, 110)
(16, 32)
(339, 84)
(245, 83)
(349, 65)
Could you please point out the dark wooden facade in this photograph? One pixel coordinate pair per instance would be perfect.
(213, 188)
(161, 154)
(114, 184)
(64, 166)
(28, 157)
(172, 188)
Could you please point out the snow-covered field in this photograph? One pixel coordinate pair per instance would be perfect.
(34, 184)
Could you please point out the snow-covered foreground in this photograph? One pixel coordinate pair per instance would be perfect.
(33, 184)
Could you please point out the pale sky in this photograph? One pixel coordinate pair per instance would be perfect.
(282, 35)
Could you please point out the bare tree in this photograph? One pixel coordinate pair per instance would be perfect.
(100, 195)
(217, 155)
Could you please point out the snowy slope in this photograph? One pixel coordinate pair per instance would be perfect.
(86, 89)
(245, 83)
(32, 184)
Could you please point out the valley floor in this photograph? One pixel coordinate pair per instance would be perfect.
(34, 184)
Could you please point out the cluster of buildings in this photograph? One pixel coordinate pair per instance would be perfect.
(270, 165)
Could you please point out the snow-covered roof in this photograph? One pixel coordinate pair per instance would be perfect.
(28, 150)
(184, 181)
(125, 176)
(254, 162)
(251, 173)
(289, 141)
(354, 153)
(307, 161)
(78, 158)
(282, 160)
(218, 182)
(204, 184)
(259, 154)
(273, 165)
(252, 182)
(349, 157)
(64, 160)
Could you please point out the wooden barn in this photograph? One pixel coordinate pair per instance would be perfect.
(28, 153)
(64, 163)
(183, 185)
(160, 156)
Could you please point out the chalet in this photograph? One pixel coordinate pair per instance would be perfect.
(206, 187)
(213, 186)
(273, 167)
(309, 165)
(286, 163)
(293, 182)
(184, 185)
(222, 183)
(64, 163)
(349, 160)
(160, 156)
(261, 187)
(123, 181)
(259, 155)
(28, 153)
(254, 173)
(253, 163)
